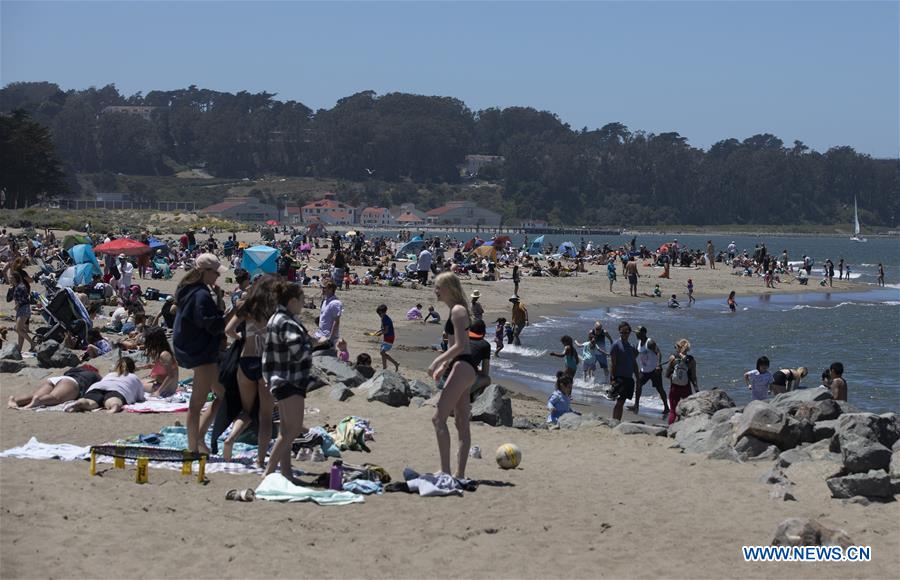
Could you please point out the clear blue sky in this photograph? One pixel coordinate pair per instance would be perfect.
(826, 73)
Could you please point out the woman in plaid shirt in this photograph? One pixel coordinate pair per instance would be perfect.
(286, 363)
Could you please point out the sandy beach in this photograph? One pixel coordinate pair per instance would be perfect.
(583, 503)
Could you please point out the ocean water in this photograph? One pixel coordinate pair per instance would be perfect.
(859, 329)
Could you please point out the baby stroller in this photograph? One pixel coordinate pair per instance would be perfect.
(64, 312)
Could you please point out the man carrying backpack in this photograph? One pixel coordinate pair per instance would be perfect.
(682, 374)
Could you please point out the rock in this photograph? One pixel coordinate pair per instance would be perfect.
(792, 456)
(44, 352)
(340, 392)
(820, 451)
(895, 464)
(874, 484)
(317, 379)
(691, 424)
(773, 476)
(8, 365)
(366, 371)
(523, 423)
(340, 371)
(34, 373)
(767, 423)
(770, 453)
(847, 407)
(883, 429)
(569, 421)
(704, 403)
(420, 389)
(11, 352)
(417, 402)
(896, 447)
(724, 452)
(325, 352)
(726, 414)
(782, 492)
(856, 499)
(895, 485)
(705, 438)
(387, 387)
(807, 532)
(826, 410)
(860, 455)
(640, 429)
(792, 400)
(823, 429)
(493, 407)
(749, 446)
(64, 358)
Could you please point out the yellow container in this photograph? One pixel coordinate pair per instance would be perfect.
(93, 462)
(120, 457)
(143, 466)
(201, 472)
(186, 463)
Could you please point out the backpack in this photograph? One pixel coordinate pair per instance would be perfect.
(681, 372)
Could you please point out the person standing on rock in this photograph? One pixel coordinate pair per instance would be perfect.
(623, 369)
(650, 365)
(329, 314)
(682, 374)
(838, 384)
(458, 369)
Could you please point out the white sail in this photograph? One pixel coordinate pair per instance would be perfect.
(855, 219)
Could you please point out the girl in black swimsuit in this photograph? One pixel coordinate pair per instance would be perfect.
(787, 379)
(459, 366)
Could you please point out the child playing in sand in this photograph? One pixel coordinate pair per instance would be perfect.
(343, 353)
(386, 332)
(569, 354)
(414, 313)
(673, 302)
(499, 331)
(759, 381)
(432, 316)
(560, 401)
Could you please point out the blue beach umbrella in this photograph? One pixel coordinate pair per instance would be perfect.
(76, 275)
(568, 249)
(535, 247)
(414, 246)
(260, 259)
(84, 254)
(156, 244)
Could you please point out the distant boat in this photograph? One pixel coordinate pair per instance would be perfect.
(855, 237)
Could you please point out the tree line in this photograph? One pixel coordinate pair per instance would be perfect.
(610, 175)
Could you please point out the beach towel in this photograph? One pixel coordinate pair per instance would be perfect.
(275, 487)
(34, 449)
(363, 487)
(157, 406)
(434, 485)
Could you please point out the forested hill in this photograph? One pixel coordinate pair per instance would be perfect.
(611, 175)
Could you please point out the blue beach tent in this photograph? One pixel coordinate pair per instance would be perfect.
(414, 246)
(568, 249)
(535, 248)
(260, 260)
(76, 275)
(84, 254)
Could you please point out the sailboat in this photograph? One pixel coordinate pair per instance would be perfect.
(855, 237)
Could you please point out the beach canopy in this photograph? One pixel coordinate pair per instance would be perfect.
(472, 244)
(568, 249)
(486, 251)
(123, 246)
(260, 260)
(74, 240)
(76, 275)
(157, 244)
(414, 246)
(535, 247)
(501, 240)
(84, 254)
(272, 223)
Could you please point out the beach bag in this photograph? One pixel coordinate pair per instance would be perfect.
(681, 372)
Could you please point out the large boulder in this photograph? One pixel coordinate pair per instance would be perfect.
(366, 371)
(895, 464)
(340, 392)
(767, 423)
(493, 407)
(725, 414)
(749, 446)
(824, 410)
(45, 351)
(791, 400)
(704, 437)
(704, 403)
(338, 371)
(883, 429)
(419, 388)
(640, 429)
(861, 455)
(317, 379)
(823, 429)
(874, 485)
(387, 387)
(8, 365)
(11, 352)
(65, 358)
(569, 421)
(807, 532)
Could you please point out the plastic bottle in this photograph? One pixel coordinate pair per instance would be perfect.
(336, 481)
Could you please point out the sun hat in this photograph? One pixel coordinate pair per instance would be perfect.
(477, 329)
(476, 294)
(209, 262)
(121, 256)
(513, 298)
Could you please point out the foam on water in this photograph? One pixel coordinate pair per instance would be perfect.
(522, 351)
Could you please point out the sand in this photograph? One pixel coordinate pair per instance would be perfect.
(583, 504)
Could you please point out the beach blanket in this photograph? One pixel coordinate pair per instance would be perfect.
(276, 487)
(154, 405)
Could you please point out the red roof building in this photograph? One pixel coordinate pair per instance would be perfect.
(330, 212)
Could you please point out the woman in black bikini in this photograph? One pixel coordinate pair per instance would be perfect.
(787, 379)
(458, 367)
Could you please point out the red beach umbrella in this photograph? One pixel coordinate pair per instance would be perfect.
(123, 246)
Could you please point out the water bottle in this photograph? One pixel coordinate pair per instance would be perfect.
(336, 481)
